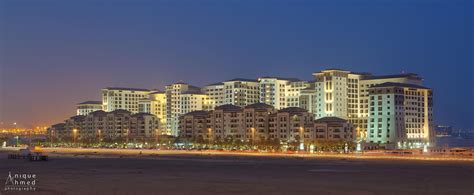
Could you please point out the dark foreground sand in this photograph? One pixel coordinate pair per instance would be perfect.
(192, 174)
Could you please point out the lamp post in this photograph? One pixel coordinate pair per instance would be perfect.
(52, 137)
(209, 130)
(301, 134)
(301, 138)
(74, 131)
(157, 132)
(99, 132)
(253, 135)
(128, 132)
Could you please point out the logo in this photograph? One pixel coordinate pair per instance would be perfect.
(20, 182)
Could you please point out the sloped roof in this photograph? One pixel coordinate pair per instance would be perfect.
(120, 111)
(197, 113)
(125, 88)
(90, 102)
(330, 119)
(78, 117)
(259, 106)
(213, 84)
(228, 107)
(406, 75)
(292, 110)
(281, 78)
(98, 112)
(157, 92)
(142, 114)
(391, 84)
(242, 79)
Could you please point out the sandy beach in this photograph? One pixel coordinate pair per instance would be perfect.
(86, 173)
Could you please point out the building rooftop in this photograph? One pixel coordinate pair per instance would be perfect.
(330, 119)
(126, 89)
(259, 106)
(213, 84)
(120, 111)
(281, 78)
(197, 113)
(157, 92)
(242, 79)
(180, 83)
(58, 125)
(193, 88)
(228, 107)
(333, 69)
(390, 84)
(98, 113)
(90, 102)
(141, 114)
(292, 110)
(407, 75)
(193, 92)
(78, 117)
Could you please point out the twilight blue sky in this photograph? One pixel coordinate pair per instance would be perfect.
(56, 53)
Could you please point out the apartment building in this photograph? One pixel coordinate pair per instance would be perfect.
(84, 108)
(273, 91)
(259, 122)
(400, 115)
(225, 121)
(291, 124)
(333, 93)
(361, 119)
(334, 129)
(337, 93)
(156, 105)
(215, 93)
(118, 125)
(281, 92)
(116, 98)
(194, 125)
(241, 92)
(256, 126)
(308, 99)
(345, 94)
(180, 99)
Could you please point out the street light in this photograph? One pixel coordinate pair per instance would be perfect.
(301, 138)
(157, 132)
(127, 134)
(209, 130)
(100, 138)
(75, 134)
(301, 134)
(52, 138)
(253, 135)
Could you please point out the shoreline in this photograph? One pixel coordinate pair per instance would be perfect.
(150, 153)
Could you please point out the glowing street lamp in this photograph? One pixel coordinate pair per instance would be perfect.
(52, 137)
(301, 134)
(75, 134)
(128, 133)
(209, 130)
(157, 132)
(253, 135)
(99, 132)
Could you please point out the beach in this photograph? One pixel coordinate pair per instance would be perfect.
(238, 174)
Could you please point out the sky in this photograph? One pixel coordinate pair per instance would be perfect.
(57, 53)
